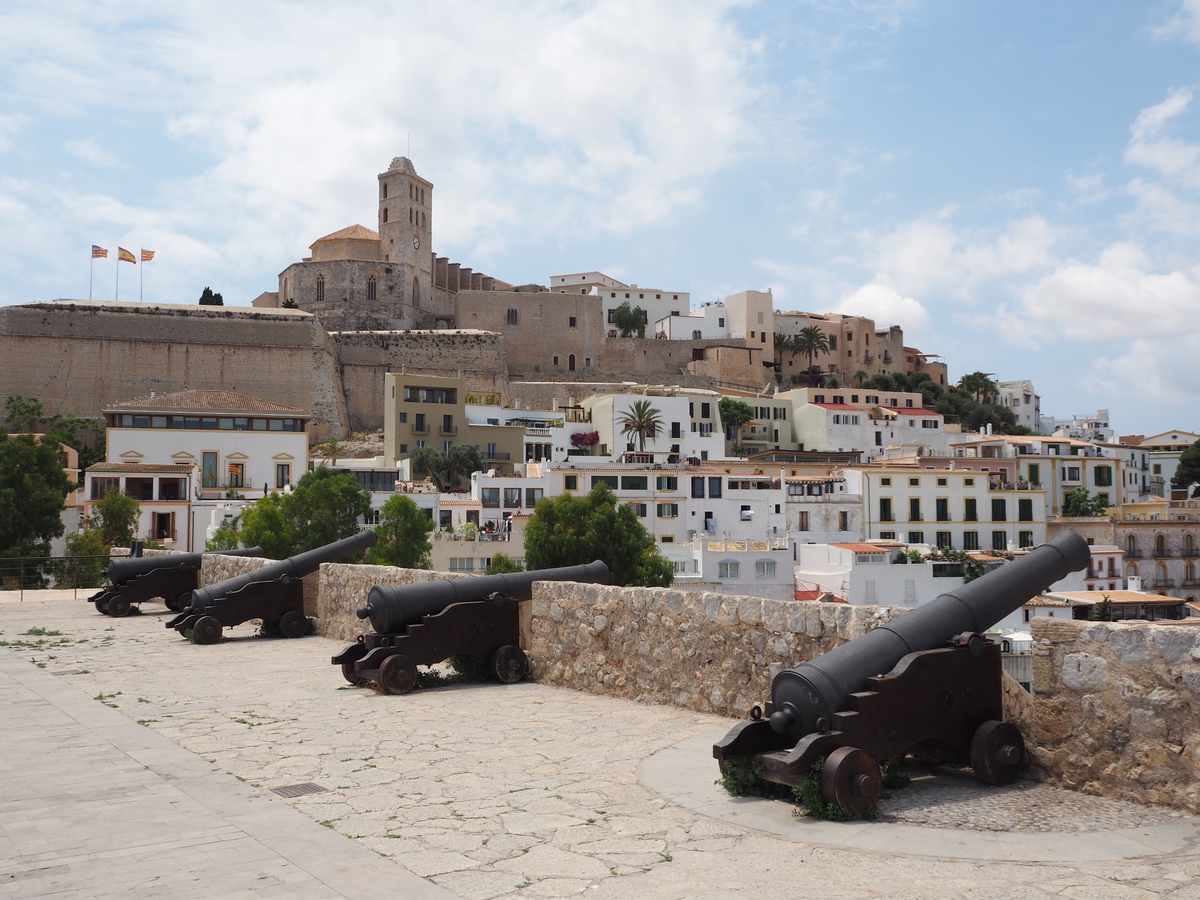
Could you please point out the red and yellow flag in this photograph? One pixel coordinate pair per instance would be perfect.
(99, 252)
(147, 255)
(125, 256)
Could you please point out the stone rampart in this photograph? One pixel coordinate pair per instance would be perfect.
(215, 568)
(344, 588)
(1116, 709)
(80, 356)
(365, 356)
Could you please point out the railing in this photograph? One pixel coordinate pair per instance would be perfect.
(420, 429)
(539, 432)
(1189, 554)
(64, 572)
(1134, 554)
(478, 536)
(1159, 583)
(498, 457)
(451, 429)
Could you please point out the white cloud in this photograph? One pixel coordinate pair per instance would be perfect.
(1115, 298)
(886, 306)
(90, 151)
(1184, 25)
(1163, 371)
(9, 125)
(1170, 157)
(1089, 188)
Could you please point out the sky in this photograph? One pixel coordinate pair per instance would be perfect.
(1016, 184)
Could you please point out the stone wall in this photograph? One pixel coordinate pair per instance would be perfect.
(709, 652)
(344, 588)
(365, 356)
(1115, 709)
(214, 568)
(80, 356)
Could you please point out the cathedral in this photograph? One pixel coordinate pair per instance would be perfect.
(387, 280)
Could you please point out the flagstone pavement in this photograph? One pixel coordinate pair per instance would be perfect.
(135, 764)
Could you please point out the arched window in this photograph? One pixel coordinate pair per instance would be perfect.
(1189, 573)
(1160, 546)
(410, 214)
(1131, 545)
(385, 190)
(385, 214)
(320, 286)
(416, 297)
(1189, 545)
(423, 225)
(371, 287)
(1160, 575)
(1131, 571)
(571, 363)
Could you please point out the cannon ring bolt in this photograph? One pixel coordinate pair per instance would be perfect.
(823, 725)
(756, 712)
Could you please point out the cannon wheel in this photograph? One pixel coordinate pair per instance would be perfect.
(118, 607)
(851, 780)
(207, 630)
(180, 602)
(997, 751)
(102, 606)
(293, 624)
(397, 675)
(509, 664)
(351, 676)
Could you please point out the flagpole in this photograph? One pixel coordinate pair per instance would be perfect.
(117, 296)
(91, 270)
(141, 283)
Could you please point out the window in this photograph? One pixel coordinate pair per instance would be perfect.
(491, 450)
(371, 286)
(404, 448)
(999, 540)
(101, 486)
(512, 497)
(1102, 475)
(970, 540)
(698, 487)
(283, 475)
(885, 509)
(668, 510)
(999, 510)
(237, 474)
(320, 286)
(610, 480)
(1025, 510)
(532, 496)
(916, 537)
(667, 539)
(1160, 546)
(803, 523)
(941, 482)
(570, 321)
(667, 483)
(885, 482)
(570, 482)
(1158, 468)
(764, 568)
(970, 513)
(1071, 473)
(419, 424)
(639, 510)
(1025, 539)
(1035, 475)
(510, 317)
(490, 496)
(929, 423)
(403, 418)
(714, 487)
(914, 509)
(447, 424)
(462, 564)
(706, 410)
(944, 540)
(727, 569)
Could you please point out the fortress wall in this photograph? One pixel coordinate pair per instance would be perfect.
(365, 356)
(81, 356)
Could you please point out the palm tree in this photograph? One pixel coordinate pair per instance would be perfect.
(810, 341)
(332, 447)
(643, 420)
(979, 386)
(861, 376)
(783, 344)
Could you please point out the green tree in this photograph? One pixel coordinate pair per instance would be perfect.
(461, 462)
(403, 531)
(809, 342)
(569, 531)
(860, 376)
(224, 538)
(429, 462)
(502, 564)
(979, 386)
(332, 447)
(84, 572)
(289, 304)
(208, 298)
(25, 415)
(1081, 504)
(642, 420)
(32, 489)
(324, 507)
(115, 516)
(734, 415)
(630, 321)
(1187, 471)
(265, 525)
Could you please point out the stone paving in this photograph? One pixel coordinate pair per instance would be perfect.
(530, 790)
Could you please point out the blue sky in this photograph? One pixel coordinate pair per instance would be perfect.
(1016, 184)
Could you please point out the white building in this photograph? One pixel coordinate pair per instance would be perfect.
(747, 568)
(1160, 458)
(821, 511)
(1023, 400)
(172, 450)
(870, 429)
(706, 323)
(691, 426)
(655, 302)
(1084, 428)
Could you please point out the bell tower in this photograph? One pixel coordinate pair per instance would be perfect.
(405, 232)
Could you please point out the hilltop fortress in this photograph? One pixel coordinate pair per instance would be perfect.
(368, 302)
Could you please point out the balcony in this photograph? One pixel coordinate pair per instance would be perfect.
(539, 432)
(1189, 554)
(498, 456)
(420, 428)
(447, 429)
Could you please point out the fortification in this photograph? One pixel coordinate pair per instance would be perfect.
(79, 356)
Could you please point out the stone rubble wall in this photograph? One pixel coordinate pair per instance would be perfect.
(704, 651)
(215, 568)
(343, 588)
(1116, 709)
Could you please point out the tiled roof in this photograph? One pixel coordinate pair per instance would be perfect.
(201, 401)
(813, 479)
(353, 233)
(905, 411)
(1116, 597)
(868, 548)
(1045, 601)
(142, 468)
(838, 406)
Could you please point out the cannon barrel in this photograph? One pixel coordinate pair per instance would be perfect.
(806, 697)
(392, 607)
(128, 568)
(293, 567)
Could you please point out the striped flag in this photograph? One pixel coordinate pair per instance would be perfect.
(147, 255)
(125, 256)
(99, 252)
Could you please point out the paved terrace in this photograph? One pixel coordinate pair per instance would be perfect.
(135, 764)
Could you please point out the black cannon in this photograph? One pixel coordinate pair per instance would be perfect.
(273, 593)
(137, 579)
(927, 680)
(424, 624)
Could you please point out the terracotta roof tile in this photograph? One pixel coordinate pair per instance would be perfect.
(200, 401)
(353, 233)
(142, 468)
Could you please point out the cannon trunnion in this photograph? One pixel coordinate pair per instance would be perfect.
(926, 680)
(433, 621)
(138, 579)
(273, 593)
